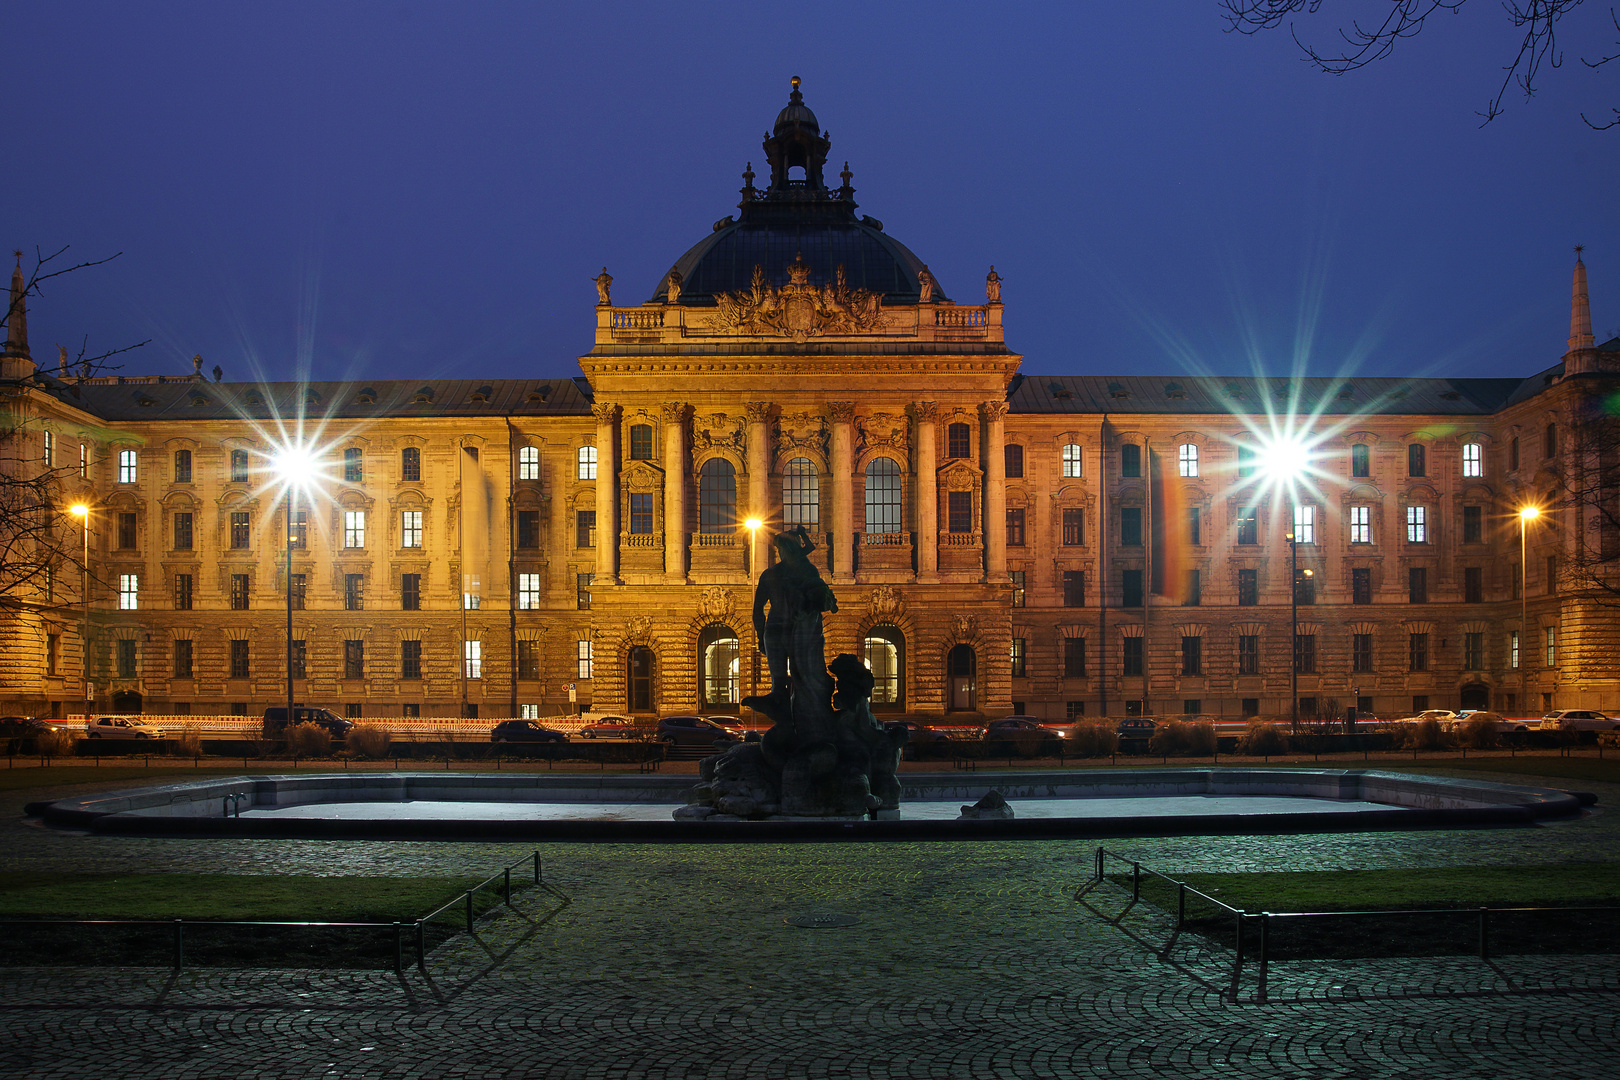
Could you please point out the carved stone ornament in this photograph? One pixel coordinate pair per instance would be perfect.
(641, 476)
(604, 412)
(885, 604)
(964, 627)
(717, 430)
(883, 431)
(995, 410)
(841, 412)
(798, 309)
(759, 412)
(673, 412)
(716, 603)
(638, 630)
(801, 431)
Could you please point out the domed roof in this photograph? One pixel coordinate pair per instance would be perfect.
(797, 217)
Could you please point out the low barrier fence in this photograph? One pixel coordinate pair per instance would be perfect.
(1247, 926)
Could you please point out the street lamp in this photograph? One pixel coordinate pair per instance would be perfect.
(82, 512)
(1526, 515)
(753, 525)
(296, 467)
(1293, 629)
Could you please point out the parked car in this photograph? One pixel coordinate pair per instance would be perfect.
(609, 727)
(1578, 720)
(695, 731)
(921, 740)
(1445, 716)
(524, 731)
(1503, 724)
(275, 722)
(1025, 733)
(121, 727)
(1136, 727)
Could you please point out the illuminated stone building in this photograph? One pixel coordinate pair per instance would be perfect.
(1062, 546)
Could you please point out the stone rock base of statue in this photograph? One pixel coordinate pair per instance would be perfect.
(992, 807)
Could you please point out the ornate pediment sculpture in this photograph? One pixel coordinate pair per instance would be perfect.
(885, 604)
(717, 430)
(883, 430)
(798, 309)
(801, 431)
(638, 630)
(715, 604)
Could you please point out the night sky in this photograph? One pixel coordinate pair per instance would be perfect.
(412, 190)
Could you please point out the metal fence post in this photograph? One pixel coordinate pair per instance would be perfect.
(421, 948)
(469, 911)
(1484, 925)
(399, 950)
(1265, 952)
(179, 944)
(1136, 882)
(508, 885)
(1237, 956)
(537, 866)
(1181, 904)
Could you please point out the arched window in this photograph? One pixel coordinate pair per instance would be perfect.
(717, 497)
(882, 496)
(1013, 459)
(801, 494)
(1071, 460)
(958, 441)
(528, 463)
(410, 464)
(884, 651)
(587, 463)
(640, 698)
(719, 668)
(640, 442)
(1187, 459)
(1473, 459)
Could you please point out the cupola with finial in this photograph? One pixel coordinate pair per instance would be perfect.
(797, 142)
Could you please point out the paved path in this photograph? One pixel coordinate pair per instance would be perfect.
(969, 960)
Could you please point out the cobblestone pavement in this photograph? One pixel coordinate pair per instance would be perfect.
(968, 960)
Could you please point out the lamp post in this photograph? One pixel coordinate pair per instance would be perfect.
(1526, 515)
(82, 512)
(753, 524)
(295, 467)
(1293, 630)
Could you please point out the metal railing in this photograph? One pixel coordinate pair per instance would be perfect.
(1242, 919)
(398, 929)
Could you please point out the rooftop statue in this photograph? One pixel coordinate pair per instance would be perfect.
(992, 286)
(604, 285)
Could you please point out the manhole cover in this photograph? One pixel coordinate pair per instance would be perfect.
(821, 922)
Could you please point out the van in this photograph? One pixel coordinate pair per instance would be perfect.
(275, 722)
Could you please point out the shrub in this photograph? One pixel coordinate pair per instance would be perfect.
(1478, 733)
(1092, 740)
(309, 740)
(1420, 735)
(188, 743)
(53, 742)
(1262, 739)
(1178, 738)
(1026, 744)
(369, 740)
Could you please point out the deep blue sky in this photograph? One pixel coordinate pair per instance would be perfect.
(409, 190)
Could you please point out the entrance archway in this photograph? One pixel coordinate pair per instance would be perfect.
(641, 679)
(961, 676)
(719, 669)
(127, 702)
(1476, 696)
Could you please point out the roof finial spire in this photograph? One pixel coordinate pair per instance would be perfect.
(17, 317)
(796, 96)
(1580, 308)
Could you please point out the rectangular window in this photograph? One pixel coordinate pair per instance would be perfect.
(410, 528)
(239, 530)
(1130, 460)
(1304, 524)
(84, 462)
(1195, 526)
(1013, 461)
(182, 466)
(298, 658)
(182, 658)
(1551, 640)
(1416, 460)
(239, 467)
(1131, 655)
(1192, 655)
(1473, 584)
(1074, 526)
(354, 528)
(958, 441)
(129, 588)
(239, 592)
(1251, 706)
(354, 659)
(1017, 579)
(472, 653)
(410, 465)
(126, 467)
(1187, 459)
(1015, 527)
(1360, 460)
(1074, 657)
(641, 442)
(1195, 589)
(1550, 443)
(1017, 656)
(298, 592)
(1192, 706)
(582, 591)
(351, 465)
(239, 659)
(1130, 526)
(585, 528)
(53, 654)
(1073, 466)
(1361, 585)
(1074, 588)
(410, 592)
(1420, 703)
(125, 658)
(528, 592)
(354, 592)
(1074, 710)
(1305, 587)
(182, 592)
(410, 659)
(1513, 454)
(182, 532)
(1131, 588)
(641, 513)
(1245, 462)
(1474, 651)
(1248, 588)
(1248, 526)
(299, 529)
(472, 594)
(959, 511)
(1361, 524)
(1552, 574)
(1417, 524)
(587, 463)
(1361, 653)
(1417, 652)
(527, 711)
(585, 659)
(1473, 459)
(528, 660)
(1473, 524)
(127, 524)
(528, 528)
(1417, 585)
(528, 463)
(1305, 654)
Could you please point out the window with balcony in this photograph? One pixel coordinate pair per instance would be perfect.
(717, 497)
(882, 496)
(959, 511)
(801, 495)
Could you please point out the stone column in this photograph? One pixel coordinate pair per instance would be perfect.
(842, 415)
(995, 491)
(759, 480)
(675, 492)
(607, 492)
(927, 416)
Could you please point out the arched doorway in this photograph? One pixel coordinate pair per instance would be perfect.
(640, 698)
(961, 676)
(126, 702)
(719, 669)
(1476, 696)
(884, 651)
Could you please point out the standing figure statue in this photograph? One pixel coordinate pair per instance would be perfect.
(604, 282)
(992, 286)
(926, 286)
(796, 595)
(673, 296)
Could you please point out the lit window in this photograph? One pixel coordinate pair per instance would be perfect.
(528, 592)
(1017, 657)
(473, 655)
(49, 446)
(528, 463)
(126, 466)
(1417, 524)
(1513, 649)
(717, 497)
(586, 655)
(1552, 639)
(410, 528)
(528, 712)
(354, 528)
(587, 463)
(84, 461)
(1072, 460)
(801, 494)
(1361, 524)
(129, 588)
(1473, 459)
(1187, 459)
(882, 496)
(471, 592)
(1305, 524)
(410, 464)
